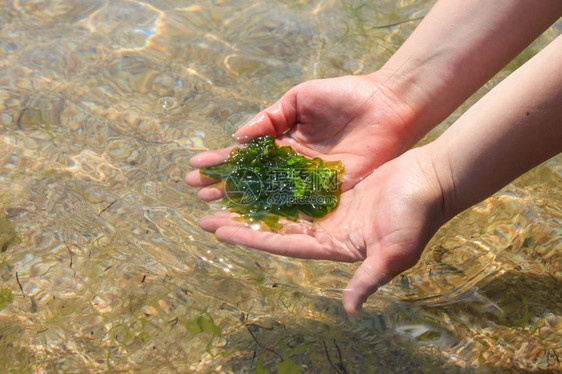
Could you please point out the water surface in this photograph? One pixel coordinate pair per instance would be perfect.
(103, 266)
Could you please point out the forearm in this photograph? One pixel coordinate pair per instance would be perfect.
(513, 128)
(458, 46)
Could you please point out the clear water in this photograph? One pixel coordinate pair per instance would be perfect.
(103, 266)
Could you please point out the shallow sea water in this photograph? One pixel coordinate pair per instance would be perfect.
(103, 267)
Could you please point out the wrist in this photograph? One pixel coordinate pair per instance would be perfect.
(445, 178)
(430, 182)
(425, 95)
(408, 98)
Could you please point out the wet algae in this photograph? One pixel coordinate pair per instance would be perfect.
(7, 232)
(264, 182)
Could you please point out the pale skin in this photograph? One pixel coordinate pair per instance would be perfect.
(368, 122)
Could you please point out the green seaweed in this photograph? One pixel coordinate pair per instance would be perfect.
(6, 298)
(263, 182)
(204, 323)
(7, 232)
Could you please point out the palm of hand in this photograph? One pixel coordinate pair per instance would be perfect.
(349, 119)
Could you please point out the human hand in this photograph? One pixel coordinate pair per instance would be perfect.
(385, 221)
(354, 119)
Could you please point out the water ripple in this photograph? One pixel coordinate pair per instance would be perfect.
(101, 106)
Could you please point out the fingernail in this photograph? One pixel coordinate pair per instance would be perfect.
(194, 159)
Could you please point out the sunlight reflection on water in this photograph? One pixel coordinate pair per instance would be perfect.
(103, 265)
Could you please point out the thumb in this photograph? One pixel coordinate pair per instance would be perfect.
(366, 280)
(274, 120)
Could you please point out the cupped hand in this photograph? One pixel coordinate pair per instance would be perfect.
(358, 120)
(385, 221)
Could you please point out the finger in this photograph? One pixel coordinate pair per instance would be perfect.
(213, 192)
(366, 280)
(224, 218)
(196, 179)
(212, 223)
(210, 158)
(303, 226)
(274, 120)
(291, 245)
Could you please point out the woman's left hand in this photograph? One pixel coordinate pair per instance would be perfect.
(385, 221)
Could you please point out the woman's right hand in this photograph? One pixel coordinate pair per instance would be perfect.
(358, 120)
